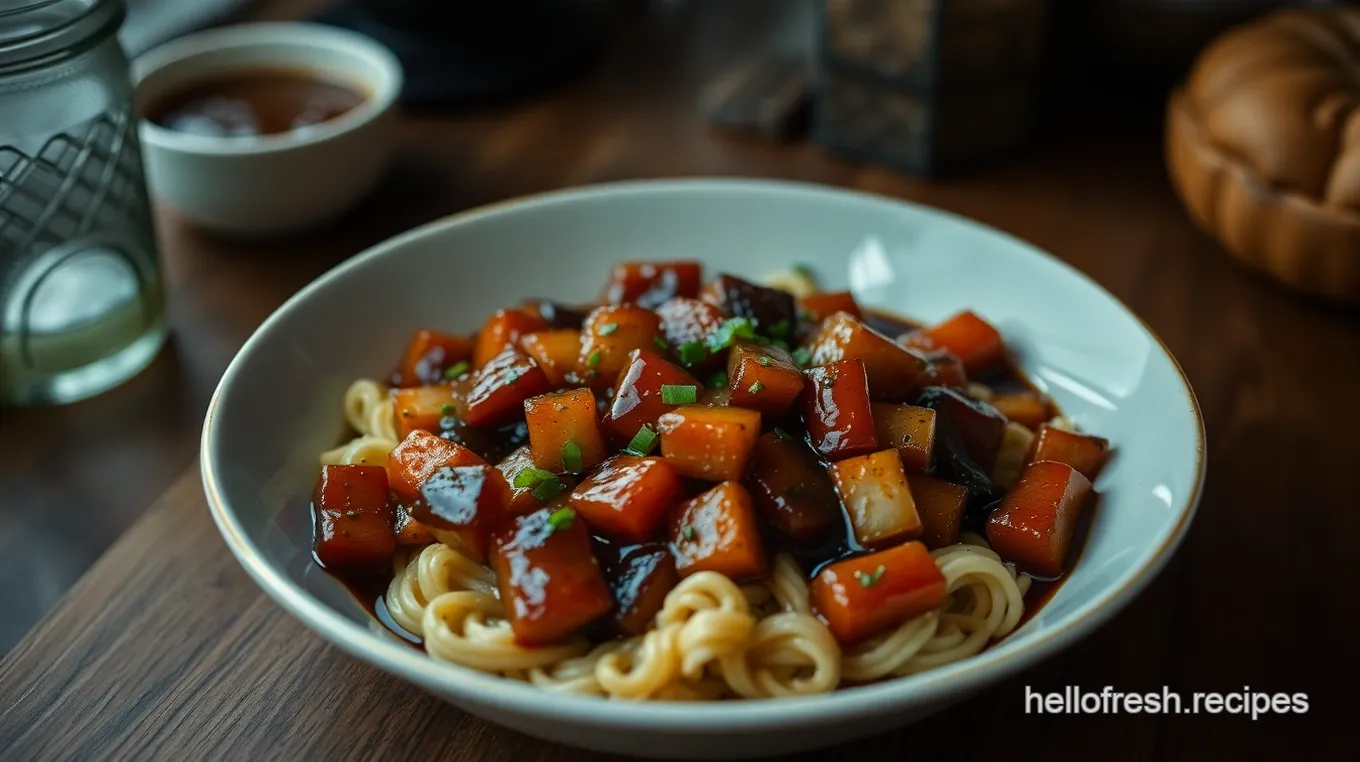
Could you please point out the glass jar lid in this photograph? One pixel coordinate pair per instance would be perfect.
(35, 29)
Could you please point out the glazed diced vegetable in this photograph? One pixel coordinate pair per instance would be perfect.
(717, 531)
(1025, 408)
(610, 335)
(627, 497)
(504, 329)
(977, 425)
(491, 445)
(837, 412)
(530, 488)
(940, 506)
(555, 314)
(893, 370)
(908, 429)
(648, 284)
(640, 581)
(790, 488)
(549, 580)
(864, 596)
(563, 434)
(686, 325)
(462, 504)
(815, 308)
(770, 308)
(556, 352)
(763, 377)
(705, 442)
(418, 456)
(966, 336)
(638, 400)
(1083, 452)
(423, 407)
(431, 355)
(353, 518)
(877, 498)
(945, 370)
(1033, 526)
(495, 393)
(717, 396)
(409, 531)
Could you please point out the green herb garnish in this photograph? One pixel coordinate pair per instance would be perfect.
(688, 533)
(457, 369)
(730, 331)
(352, 514)
(717, 380)
(802, 356)
(693, 352)
(446, 410)
(511, 376)
(561, 519)
(779, 330)
(764, 360)
(594, 358)
(643, 441)
(571, 456)
(548, 489)
(679, 394)
(869, 580)
(660, 342)
(755, 388)
(607, 329)
(531, 477)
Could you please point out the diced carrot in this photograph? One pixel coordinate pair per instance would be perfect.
(562, 427)
(877, 498)
(976, 425)
(791, 489)
(837, 412)
(423, 407)
(1025, 408)
(774, 311)
(555, 352)
(763, 378)
(940, 506)
(717, 531)
(504, 329)
(705, 442)
(893, 370)
(1083, 452)
(627, 497)
(495, 393)
(462, 504)
(408, 530)
(945, 370)
(966, 336)
(430, 354)
(523, 501)
(823, 304)
(549, 580)
(418, 456)
(908, 429)
(353, 516)
(555, 314)
(1033, 526)
(640, 581)
(688, 322)
(866, 595)
(610, 334)
(648, 284)
(637, 395)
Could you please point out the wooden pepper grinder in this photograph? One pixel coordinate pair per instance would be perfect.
(461, 53)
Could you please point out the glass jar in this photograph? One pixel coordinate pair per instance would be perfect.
(81, 302)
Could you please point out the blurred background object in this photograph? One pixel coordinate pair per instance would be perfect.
(151, 22)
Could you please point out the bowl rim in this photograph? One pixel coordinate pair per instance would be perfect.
(959, 678)
(383, 81)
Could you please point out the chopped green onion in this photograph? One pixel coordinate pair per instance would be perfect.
(571, 456)
(679, 394)
(643, 441)
(446, 410)
(531, 477)
(779, 330)
(660, 342)
(548, 489)
(805, 271)
(351, 514)
(869, 580)
(783, 435)
(594, 358)
(755, 388)
(561, 519)
(511, 376)
(457, 369)
(717, 380)
(693, 352)
(802, 356)
(731, 330)
(764, 360)
(688, 533)
(607, 329)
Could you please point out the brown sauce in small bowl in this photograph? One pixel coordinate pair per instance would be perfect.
(255, 102)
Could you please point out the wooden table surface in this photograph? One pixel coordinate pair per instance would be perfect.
(150, 642)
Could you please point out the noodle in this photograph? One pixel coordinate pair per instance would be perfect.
(372, 413)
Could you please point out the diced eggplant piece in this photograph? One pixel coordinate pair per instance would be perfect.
(641, 580)
(686, 325)
(556, 352)
(978, 426)
(940, 506)
(706, 442)
(410, 532)
(494, 394)
(877, 498)
(648, 284)
(638, 400)
(1083, 452)
(491, 445)
(611, 334)
(815, 308)
(549, 580)
(1025, 408)
(504, 329)
(462, 504)
(908, 429)
(763, 377)
(791, 489)
(1033, 526)
(945, 370)
(430, 355)
(353, 514)
(717, 531)
(837, 411)
(770, 308)
(627, 497)
(967, 337)
(417, 457)
(866, 595)
(563, 434)
(893, 370)
(557, 315)
(527, 499)
(423, 408)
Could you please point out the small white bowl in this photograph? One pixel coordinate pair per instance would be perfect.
(278, 183)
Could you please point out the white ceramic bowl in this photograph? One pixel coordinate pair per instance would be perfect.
(279, 405)
(271, 183)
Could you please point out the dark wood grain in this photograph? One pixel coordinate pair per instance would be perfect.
(165, 649)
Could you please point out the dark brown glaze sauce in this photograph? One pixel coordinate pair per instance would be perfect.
(251, 103)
